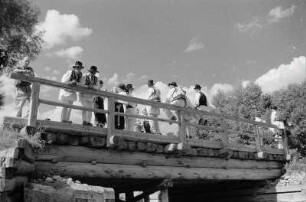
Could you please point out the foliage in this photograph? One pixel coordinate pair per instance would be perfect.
(292, 104)
(18, 36)
(249, 102)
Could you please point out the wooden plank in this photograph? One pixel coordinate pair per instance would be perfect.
(137, 136)
(84, 154)
(115, 171)
(71, 129)
(34, 103)
(10, 153)
(110, 121)
(60, 104)
(182, 126)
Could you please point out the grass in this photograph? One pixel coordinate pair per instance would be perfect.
(8, 138)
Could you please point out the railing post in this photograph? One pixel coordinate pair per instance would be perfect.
(258, 143)
(111, 120)
(182, 126)
(34, 103)
(224, 139)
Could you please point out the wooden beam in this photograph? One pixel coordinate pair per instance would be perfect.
(116, 171)
(84, 155)
(164, 195)
(34, 103)
(182, 127)
(60, 104)
(12, 184)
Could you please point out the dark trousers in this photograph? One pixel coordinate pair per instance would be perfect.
(100, 118)
(146, 126)
(119, 120)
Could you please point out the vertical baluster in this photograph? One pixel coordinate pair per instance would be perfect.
(182, 126)
(258, 142)
(34, 103)
(224, 151)
(111, 120)
(285, 145)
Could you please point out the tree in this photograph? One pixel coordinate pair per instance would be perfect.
(18, 19)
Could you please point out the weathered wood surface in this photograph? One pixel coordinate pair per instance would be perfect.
(34, 103)
(152, 172)
(12, 184)
(86, 155)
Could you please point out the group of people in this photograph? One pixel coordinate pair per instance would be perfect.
(176, 96)
(75, 77)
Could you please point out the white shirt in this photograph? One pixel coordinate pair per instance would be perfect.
(279, 124)
(153, 93)
(173, 92)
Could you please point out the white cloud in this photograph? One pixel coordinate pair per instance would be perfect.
(7, 88)
(220, 87)
(251, 26)
(285, 74)
(56, 72)
(277, 13)
(70, 53)
(47, 69)
(194, 45)
(245, 83)
(59, 27)
(113, 81)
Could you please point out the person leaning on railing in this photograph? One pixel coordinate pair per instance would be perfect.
(130, 109)
(71, 77)
(23, 88)
(176, 96)
(154, 95)
(89, 80)
(119, 107)
(100, 118)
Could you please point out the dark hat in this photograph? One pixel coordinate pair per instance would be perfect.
(121, 86)
(129, 87)
(101, 82)
(197, 86)
(150, 82)
(172, 84)
(78, 64)
(93, 69)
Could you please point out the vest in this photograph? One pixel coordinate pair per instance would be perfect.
(91, 80)
(156, 95)
(202, 100)
(76, 76)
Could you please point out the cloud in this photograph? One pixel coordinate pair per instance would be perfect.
(283, 75)
(70, 53)
(194, 45)
(251, 26)
(58, 28)
(7, 88)
(245, 83)
(220, 87)
(277, 13)
(113, 81)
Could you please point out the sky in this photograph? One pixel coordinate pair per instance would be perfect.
(218, 44)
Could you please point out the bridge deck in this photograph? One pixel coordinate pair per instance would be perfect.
(120, 156)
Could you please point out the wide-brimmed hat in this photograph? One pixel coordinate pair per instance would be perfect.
(150, 82)
(172, 84)
(93, 69)
(78, 64)
(197, 86)
(129, 87)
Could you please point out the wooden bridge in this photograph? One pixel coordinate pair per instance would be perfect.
(230, 152)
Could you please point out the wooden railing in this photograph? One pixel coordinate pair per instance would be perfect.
(228, 129)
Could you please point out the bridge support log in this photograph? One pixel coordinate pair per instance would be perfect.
(86, 170)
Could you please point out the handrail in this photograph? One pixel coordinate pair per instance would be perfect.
(224, 130)
(133, 99)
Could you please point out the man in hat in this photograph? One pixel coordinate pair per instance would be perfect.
(100, 118)
(201, 104)
(130, 109)
(23, 88)
(119, 107)
(176, 96)
(89, 80)
(154, 95)
(71, 77)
